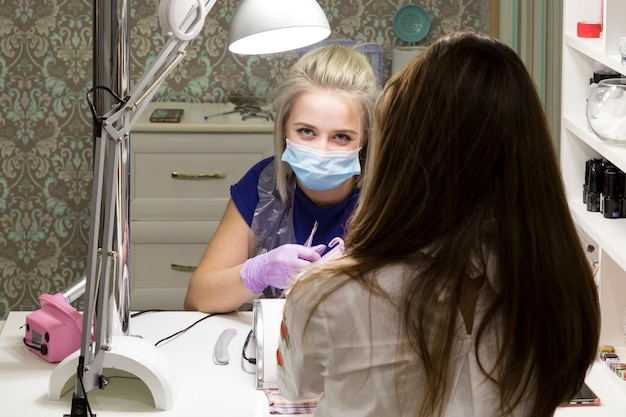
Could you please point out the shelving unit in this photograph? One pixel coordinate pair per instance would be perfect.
(579, 144)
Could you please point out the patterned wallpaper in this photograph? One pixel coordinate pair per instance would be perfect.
(45, 125)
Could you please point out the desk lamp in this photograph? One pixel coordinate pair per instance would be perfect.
(258, 27)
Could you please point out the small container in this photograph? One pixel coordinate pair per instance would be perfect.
(607, 348)
(608, 355)
(606, 110)
(589, 29)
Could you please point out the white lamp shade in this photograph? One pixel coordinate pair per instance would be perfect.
(269, 26)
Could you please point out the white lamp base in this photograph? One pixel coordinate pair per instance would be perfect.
(130, 354)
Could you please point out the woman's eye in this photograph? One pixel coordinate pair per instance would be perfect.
(343, 138)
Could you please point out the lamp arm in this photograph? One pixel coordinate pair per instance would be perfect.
(121, 119)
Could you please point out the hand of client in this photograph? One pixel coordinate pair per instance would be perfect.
(276, 267)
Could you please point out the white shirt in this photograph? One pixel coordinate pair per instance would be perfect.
(349, 357)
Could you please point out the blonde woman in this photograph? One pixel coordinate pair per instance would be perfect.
(322, 112)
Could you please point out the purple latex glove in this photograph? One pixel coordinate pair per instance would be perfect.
(276, 267)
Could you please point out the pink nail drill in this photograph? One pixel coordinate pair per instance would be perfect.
(54, 331)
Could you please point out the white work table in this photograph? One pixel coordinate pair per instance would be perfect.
(203, 386)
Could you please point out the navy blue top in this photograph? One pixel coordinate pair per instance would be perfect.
(331, 220)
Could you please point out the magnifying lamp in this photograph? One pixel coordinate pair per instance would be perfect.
(258, 27)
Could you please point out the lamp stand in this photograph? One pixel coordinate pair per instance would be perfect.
(130, 354)
(106, 340)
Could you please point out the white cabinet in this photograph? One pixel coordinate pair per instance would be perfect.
(181, 175)
(579, 144)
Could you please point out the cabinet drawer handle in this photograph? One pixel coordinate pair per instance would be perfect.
(184, 176)
(183, 268)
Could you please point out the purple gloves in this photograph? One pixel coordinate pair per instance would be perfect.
(276, 267)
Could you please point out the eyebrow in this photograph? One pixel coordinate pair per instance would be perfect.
(312, 127)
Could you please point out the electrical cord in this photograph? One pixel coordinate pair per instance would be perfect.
(96, 117)
(251, 361)
(139, 313)
(178, 333)
(40, 348)
(79, 372)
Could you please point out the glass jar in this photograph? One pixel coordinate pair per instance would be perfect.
(606, 110)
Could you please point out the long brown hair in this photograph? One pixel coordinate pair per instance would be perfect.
(461, 141)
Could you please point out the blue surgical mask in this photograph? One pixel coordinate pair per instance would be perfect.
(319, 170)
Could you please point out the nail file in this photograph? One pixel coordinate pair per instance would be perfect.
(309, 241)
(220, 351)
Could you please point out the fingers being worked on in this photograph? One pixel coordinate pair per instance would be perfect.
(276, 267)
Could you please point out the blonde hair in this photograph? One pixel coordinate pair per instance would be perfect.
(335, 68)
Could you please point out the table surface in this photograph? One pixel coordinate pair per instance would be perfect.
(201, 385)
(226, 390)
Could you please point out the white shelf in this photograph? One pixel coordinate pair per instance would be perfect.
(579, 144)
(594, 49)
(610, 234)
(598, 228)
(577, 124)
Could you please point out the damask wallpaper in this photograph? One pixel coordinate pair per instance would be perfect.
(46, 128)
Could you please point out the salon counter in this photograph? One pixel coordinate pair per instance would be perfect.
(201, 385)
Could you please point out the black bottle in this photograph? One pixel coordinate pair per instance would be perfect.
(612, 192)
(594, 178)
